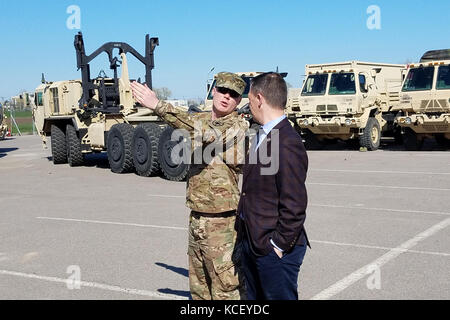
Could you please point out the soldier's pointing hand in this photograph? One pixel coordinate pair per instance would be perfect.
(146, 97)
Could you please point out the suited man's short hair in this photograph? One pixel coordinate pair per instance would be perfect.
(272, 87)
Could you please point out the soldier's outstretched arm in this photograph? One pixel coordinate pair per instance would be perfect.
(175, 117)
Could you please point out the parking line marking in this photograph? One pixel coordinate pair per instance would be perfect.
(165, 196)
(185, 229)
(374, 171)
(380, 209)
(374, 186)
(443, 254)
(113, 223)
(95, 285)
(349, 280)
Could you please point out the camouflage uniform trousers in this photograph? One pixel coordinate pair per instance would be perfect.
(215, 259)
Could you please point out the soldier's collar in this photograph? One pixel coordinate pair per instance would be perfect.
(221, 120)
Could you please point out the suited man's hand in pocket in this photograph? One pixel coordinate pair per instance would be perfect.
(278, 252)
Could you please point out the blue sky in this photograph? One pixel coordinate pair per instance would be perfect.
(197, 35)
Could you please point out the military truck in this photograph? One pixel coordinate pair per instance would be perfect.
(350, 101)
(23, 101)
(3, 126)
(425, 100)
(93, 115)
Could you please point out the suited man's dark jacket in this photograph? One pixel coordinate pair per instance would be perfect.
(274, 205)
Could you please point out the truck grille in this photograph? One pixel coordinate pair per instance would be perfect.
(433, 105)
(435, 127)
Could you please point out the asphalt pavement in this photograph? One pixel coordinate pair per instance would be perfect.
(379, 224)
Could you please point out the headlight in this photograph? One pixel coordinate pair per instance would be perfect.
(305, 122)
(315, 122)
(408, 120)
(348, 122)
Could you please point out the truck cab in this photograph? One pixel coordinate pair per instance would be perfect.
(347, 101)
(425, 100)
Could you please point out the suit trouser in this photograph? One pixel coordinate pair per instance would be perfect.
(214, 259)
(270, 277)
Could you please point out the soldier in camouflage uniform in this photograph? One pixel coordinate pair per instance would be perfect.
(212, 187)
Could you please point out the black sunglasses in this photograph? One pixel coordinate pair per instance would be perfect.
(232, 93)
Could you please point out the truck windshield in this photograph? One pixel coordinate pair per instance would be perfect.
(419, 79)
(315, 85)
(342, 83)
(443, 79)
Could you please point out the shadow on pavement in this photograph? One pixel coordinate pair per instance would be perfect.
(387, 144)
(178, 270)
(5, 151)
(99, 160)
(180, 293)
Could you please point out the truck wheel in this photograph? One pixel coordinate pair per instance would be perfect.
(119, 141)
(411, 140)
(442, 140)
(145, 149)
(398, 137)
(74, 155)
(311, 141)
(59, 150)
(171, 168)
(371, 136)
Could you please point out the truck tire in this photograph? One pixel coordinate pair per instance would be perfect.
(311, 142)
(145, 149)
(371, 136)
(59, 149)
(442, 140)
(73, 143)
(119, 143)
(171, 170)
(411, 141)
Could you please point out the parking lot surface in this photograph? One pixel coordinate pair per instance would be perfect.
(379, 224)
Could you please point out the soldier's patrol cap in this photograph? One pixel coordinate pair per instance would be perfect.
(231, 81)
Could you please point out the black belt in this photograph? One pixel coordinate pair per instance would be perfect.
(225, 214)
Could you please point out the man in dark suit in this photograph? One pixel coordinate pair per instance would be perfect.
(273, 201)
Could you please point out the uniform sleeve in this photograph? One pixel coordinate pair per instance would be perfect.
(175, 117)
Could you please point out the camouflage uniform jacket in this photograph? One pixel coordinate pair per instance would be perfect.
(212, 184)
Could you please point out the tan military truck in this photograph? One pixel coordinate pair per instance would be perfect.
(350, 101)
(425, 100)
(3, 126)
(94, 115)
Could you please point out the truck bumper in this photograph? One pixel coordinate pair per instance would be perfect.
(423, 123)
(334, 125)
